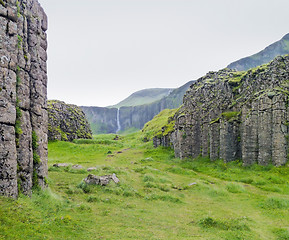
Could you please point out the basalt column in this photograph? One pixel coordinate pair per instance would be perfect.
(23, 97)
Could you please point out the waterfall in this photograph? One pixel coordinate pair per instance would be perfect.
(118, 121)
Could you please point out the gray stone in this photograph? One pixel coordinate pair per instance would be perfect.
(92, 169)
(12, 28)
(26, 117)
(101, 180)
(192, 184)
(61, 165)
(114, 178)
(77, 167)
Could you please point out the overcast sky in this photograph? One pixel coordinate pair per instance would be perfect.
(101, 51)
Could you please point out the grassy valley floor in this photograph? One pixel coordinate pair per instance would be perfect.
(158, 197)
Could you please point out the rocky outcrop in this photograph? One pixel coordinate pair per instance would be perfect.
(236, 115)
(278, 48)
(104, 120)
(66, 122)
(23, 114)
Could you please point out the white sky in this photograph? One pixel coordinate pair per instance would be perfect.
(101, 51)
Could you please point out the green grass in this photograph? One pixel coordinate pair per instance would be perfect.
(152, 127)
(158, 197)
(229, 115)
(128, 131)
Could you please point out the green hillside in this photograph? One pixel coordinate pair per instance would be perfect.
(142, 97)
(158, 197)
(152, 127)
(278, 48)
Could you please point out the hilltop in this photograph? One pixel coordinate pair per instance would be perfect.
(278, 48)
(144, 96)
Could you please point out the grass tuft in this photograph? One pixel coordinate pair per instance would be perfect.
(275, 203)
(165, 198)
(224, 224)
(281, 234)
(235, 188)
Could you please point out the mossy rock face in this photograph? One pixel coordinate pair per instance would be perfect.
(233, 115)
(67, 122)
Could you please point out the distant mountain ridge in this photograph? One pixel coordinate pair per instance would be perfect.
(138, 109)
(278, 48)
(105, 120)
(144, 96)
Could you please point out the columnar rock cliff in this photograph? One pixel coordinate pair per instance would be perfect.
(23, 82)
(66, 122)
(236, 115)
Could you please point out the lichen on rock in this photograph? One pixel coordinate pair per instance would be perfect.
(234, 115)
(23, 88)
(66, 122)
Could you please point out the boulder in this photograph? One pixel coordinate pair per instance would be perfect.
(77, 167)
(61, 165)
(101, 180)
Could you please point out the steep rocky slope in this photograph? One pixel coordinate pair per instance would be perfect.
(23, 114)
(66, 122)
(105, 120)
(278, 48)
(236, 115)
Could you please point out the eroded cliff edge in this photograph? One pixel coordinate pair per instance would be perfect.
(235, 115)
(23, 87)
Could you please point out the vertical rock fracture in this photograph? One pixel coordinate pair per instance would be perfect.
(23, 97)
(234, 115)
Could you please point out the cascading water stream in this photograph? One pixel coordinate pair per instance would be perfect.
(118, 121)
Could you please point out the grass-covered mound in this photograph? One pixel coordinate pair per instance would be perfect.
(159, 196)
(163, 119)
